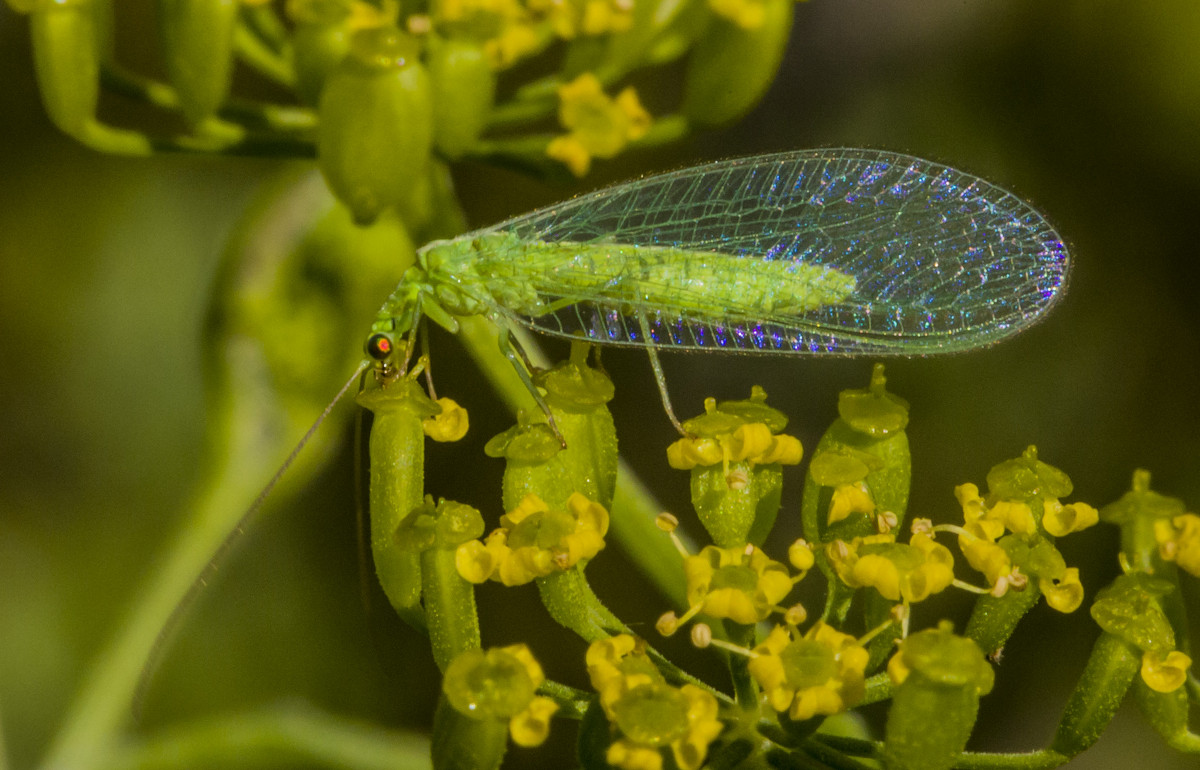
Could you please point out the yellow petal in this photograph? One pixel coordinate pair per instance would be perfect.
(1165, 674)
(1065, 594)
(450, 425)
(474, 562)
(531, 726)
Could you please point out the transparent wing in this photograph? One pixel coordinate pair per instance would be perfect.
(944, 261)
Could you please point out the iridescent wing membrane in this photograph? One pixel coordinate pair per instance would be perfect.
(943, 261)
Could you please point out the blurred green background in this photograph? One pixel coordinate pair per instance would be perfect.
(1091, 110)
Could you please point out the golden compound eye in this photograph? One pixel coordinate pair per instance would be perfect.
(380, 346)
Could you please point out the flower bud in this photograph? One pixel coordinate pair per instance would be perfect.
(197, 40)
(376, 128)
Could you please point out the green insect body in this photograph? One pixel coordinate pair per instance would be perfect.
(848, 252)
(499, 274)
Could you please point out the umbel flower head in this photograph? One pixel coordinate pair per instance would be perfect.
(1178, 540)
(535, 541)
(1131, 610)
(649, 714)
(741, 584)
(909, 571)
(501, 684)
(598, 126)
(820, 672)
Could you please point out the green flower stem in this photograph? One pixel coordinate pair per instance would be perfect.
(248, 146)
(253, 115)
(1033, 760)
(828, 756)
(572, 703)
(239, 461)
(632, 526)
(847, 745)
(288, 735)
(744, 686)
(264, 23)
(268, 62)
(519, 113)
(634, 508)
(664, 130)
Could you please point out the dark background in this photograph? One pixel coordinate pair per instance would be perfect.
(1088, 109)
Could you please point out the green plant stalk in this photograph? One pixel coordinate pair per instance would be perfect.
(744, 686)
(268, 62)
(216, 516)
(301, 735)
(264, 23)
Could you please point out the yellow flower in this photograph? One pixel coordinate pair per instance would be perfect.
(648, 712)
(897, 571)
(1179, 541)
(1059, 519)
(1064, 594)
(1015, 515)
(476, 561)
(941, 658)
(531, 727)
(597, 125)
(448, 425)
(975, 513)
(1165, 674)
(618, 664)
(800, 556)
(501, 683)
(818, 673)
(747, 14)
(986, 557)
(848, 499)
(687, 453)
(515, 42)
(654, 715)
(741, 584)
(585, 17)
(507, 29)
(752, 442)
(534, 541)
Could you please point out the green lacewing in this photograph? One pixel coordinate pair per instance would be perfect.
(835, 251)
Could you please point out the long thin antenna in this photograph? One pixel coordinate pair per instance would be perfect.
(154, 658)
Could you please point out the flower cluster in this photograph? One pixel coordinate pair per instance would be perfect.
(1178, 540)
(598, 126)
(534, 541)
(743, 585)
(501, 684)
(1008, 561)
(898, 571)
(649, 713)
(753, 443)
(819, 673)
